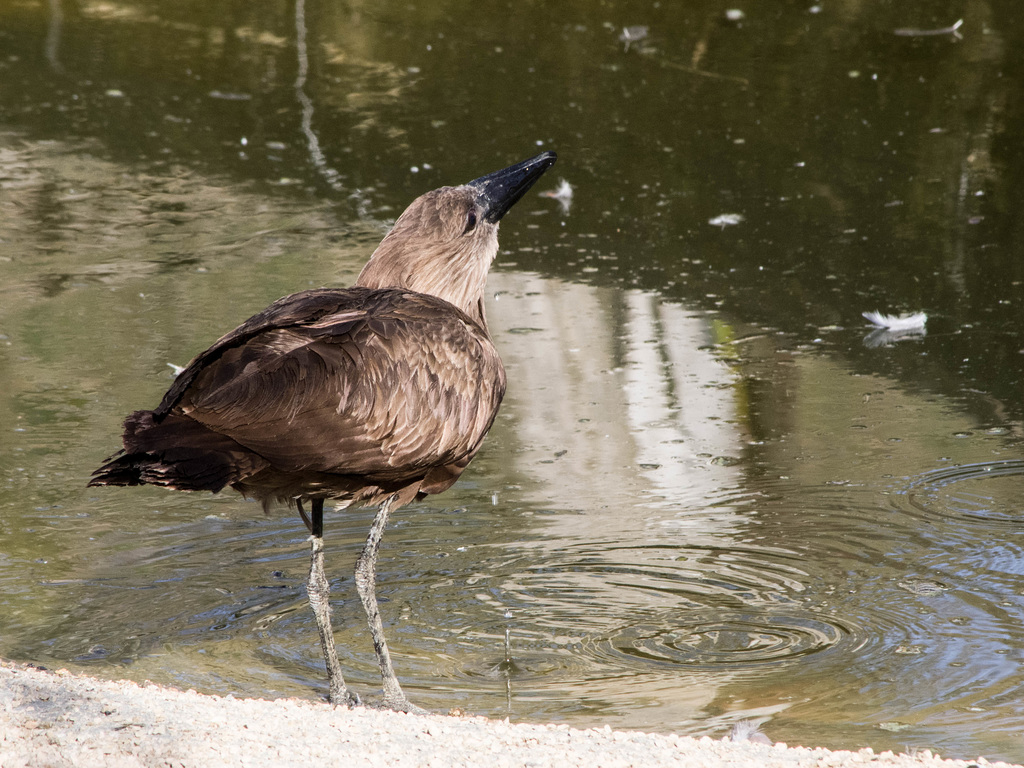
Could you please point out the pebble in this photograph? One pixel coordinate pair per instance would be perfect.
(59, 719)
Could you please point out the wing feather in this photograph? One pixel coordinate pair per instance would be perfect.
(385, 384)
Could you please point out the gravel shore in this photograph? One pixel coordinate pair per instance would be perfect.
(59, 719)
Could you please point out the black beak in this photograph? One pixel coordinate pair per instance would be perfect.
(499, 191)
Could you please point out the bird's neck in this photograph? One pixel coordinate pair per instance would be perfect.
(461, 282)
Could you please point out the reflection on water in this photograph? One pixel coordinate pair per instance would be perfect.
(705, 498)
(653, 565)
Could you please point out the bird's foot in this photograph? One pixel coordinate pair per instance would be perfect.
(402, 704)
(345, 698)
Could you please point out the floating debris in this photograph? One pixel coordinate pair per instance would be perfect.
(953, 30)
(704, 73)
(748, 730)
(230, 96)
(890, 328)
(907, 322)
(177, 369)
(633, 35)
(562, 193)
(726, 220)
(735, 14)
(894, 726)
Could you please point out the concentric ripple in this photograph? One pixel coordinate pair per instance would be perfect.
(990, 492)
(735, 640)
(658, 610)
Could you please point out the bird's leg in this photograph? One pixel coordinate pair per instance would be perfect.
(306, 520)
(319, 591)
(366, 584)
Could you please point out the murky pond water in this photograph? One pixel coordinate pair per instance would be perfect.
(713, 493)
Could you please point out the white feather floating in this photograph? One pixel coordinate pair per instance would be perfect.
(563, 191)
(897, 322)
(726, 220)
(563, 194)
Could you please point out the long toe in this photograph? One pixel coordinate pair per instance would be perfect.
(348, 699)
(339, 694)
(402, 704)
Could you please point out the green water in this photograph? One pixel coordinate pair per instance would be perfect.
(710, 495)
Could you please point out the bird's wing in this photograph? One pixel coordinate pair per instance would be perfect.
(296, 309)
(384, 388)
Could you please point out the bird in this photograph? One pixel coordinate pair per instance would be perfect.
(373, 395)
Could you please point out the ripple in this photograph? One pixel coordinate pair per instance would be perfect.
(613, 582)
(736, 640)
(662, 645)
(989, 492)
(589, 612)
(531, 656)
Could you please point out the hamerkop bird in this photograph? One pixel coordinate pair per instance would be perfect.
(376, 394)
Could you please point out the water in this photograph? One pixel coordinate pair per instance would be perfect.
(709, 495)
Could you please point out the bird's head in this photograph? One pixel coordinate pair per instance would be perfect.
(444, 242)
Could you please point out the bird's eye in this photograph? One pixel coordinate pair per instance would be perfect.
(470, 222)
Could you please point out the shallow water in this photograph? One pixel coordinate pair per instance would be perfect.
(712, 492)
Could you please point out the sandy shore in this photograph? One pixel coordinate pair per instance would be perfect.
(60, 719)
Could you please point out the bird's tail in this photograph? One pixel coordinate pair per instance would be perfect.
(176, 452)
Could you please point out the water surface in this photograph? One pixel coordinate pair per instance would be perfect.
(712, 492)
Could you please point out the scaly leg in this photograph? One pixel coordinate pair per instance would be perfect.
(366, 584)
(318, 590)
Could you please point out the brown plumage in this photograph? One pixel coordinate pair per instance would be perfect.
(352, 394)
(375, 394)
